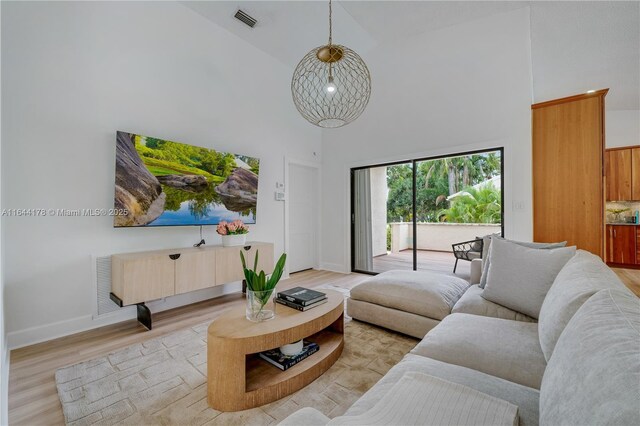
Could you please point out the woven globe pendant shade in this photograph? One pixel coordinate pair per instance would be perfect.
(352, 88)
(331, 85)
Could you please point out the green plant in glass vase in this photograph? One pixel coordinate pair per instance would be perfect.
(260, 288)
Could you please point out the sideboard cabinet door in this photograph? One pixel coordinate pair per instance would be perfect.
(195, 270)
(143, 278)
(230, 266)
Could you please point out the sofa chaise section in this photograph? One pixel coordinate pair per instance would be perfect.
(411, 302)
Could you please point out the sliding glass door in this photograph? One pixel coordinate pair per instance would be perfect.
(425, 214)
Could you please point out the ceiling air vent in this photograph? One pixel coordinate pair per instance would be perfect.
(242, 16)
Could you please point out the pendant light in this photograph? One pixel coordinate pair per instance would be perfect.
(331, 85)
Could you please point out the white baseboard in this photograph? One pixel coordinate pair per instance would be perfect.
(334, 267)
(39, 334)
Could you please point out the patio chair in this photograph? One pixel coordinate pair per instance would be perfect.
(467, 250)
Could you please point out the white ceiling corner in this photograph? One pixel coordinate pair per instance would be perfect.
(579, 46)
(287, 30)
(575, 45)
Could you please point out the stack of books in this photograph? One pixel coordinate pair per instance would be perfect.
(301, 298)
(283, 362)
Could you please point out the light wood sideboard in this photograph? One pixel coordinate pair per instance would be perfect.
(141, 277)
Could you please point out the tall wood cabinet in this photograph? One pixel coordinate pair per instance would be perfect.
(568, 171)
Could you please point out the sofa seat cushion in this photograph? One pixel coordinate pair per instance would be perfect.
(593, 376)
(582, 277)
(472, 302)
(422, 399)
(503, 348)
(428, 294)
(526, 399)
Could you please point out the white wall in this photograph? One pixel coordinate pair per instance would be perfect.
(622, 128)
(461, 88)
(73, 74)
(438, 236)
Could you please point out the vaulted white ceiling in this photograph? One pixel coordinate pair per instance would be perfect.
(575, 46)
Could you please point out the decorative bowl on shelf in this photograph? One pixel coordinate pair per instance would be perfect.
(292, 348)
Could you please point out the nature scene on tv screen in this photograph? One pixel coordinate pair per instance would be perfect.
(165, 183)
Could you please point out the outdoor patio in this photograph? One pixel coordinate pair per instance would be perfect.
(436, 261)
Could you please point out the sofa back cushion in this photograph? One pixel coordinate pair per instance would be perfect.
(519, 277)
(486, 249)
(582, 277)
(593, 376)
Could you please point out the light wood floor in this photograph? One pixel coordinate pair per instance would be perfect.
(631, 278)
(33, 398)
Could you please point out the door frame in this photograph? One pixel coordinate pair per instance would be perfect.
(287, 214)
(413, 162)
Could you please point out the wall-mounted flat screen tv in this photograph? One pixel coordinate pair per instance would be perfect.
(165, 183)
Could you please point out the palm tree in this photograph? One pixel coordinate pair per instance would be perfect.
(474, 205)
(442, 168)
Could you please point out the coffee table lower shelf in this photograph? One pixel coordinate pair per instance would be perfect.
(260, 375)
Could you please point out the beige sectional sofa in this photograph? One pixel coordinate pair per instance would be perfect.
(578, 365)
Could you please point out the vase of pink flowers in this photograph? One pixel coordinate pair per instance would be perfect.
(233, 233)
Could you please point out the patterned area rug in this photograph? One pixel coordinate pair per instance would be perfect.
(163, 381)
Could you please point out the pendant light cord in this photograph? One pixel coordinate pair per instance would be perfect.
(330, 25)
(330, 40)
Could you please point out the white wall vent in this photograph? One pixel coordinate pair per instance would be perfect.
(244, 17)
(103, 280)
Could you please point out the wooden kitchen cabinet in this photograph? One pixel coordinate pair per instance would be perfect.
(618, 170)
(622, 244)
(623, 174)
(637, 245)
(635, 174)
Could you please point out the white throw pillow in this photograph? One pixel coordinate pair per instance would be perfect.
(486, 259)
(520, 277)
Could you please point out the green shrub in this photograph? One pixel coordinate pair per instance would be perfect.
(474, 206)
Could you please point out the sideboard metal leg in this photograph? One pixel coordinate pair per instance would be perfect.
(144, 315)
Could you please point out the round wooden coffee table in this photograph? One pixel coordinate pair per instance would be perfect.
(238, 379)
